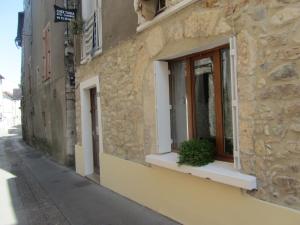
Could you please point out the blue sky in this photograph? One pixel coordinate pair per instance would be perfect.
(10, 55)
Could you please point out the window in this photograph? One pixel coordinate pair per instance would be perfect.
(161, 5)
(92, 28)
(47, 52)
(200, 97)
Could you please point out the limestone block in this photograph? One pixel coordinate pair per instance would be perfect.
(293, 147)
(295, 127)
(291, 200)
(288, 183)
(268, 112)
(149, 111)
(293, 109)
(259, 127)
(201, 23)
(261, 172)
(222, 27)
(284, 91)
(246, 47)
(296, 34)
(261, 149)
(143, 59)
(176, 31)
(247, 162)
(261, 82)
(284, 72)
(246, 88)
(285, 15)
(258, 13)
(246, 136)
(278, 129)
(155, 41)
(291, 53)
(209, 3)
(247, 109)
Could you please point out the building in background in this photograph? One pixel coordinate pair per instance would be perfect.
(47, 82)
(1, 96)
(186, 69)
(11, 111)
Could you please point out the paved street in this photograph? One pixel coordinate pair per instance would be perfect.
(36, 191)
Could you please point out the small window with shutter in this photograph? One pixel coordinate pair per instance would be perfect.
(47, 52)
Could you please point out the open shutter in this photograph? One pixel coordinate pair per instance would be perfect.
(234, 96)
(88, 35)
(162, 107)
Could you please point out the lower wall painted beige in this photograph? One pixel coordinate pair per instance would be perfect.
(190, 200)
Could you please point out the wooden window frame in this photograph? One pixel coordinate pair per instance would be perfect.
(215, 55)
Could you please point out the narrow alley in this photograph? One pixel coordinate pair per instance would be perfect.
(37, 191)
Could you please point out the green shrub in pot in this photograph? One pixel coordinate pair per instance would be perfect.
(196, 152)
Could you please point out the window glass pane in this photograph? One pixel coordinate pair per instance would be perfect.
(162, 4)
(204, 99)
(178, 101)
(227, 110)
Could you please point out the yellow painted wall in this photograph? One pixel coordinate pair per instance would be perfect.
(190, 200)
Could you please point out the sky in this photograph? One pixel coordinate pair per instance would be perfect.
(10, 55)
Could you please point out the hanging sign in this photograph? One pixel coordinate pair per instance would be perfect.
(64, 15)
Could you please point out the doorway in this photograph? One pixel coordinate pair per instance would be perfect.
(91, 129)
(95, 129)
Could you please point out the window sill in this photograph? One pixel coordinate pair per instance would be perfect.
(164, 14)
(218, 171)
(89, 58)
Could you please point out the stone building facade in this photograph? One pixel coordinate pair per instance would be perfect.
(48, 102)
(265, 37)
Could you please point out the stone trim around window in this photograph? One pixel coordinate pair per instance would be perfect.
(217, 171)
(165, 14)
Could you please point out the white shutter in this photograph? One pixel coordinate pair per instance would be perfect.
(88, 8)
(162, 107)
(99, 25)
(88, 35)
(234, 97)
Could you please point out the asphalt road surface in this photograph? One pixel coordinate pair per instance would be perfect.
(34, 190)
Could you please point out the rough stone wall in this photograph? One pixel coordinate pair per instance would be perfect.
(268, 40)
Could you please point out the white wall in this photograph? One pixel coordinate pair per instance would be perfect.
(11, 113)
(1, 99)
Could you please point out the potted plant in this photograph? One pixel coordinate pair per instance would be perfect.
(196, 152)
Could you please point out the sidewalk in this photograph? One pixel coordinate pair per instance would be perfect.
(44, 192)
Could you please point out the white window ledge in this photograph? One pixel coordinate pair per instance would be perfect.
(163, 15)
(89, 58)
(218, 171)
